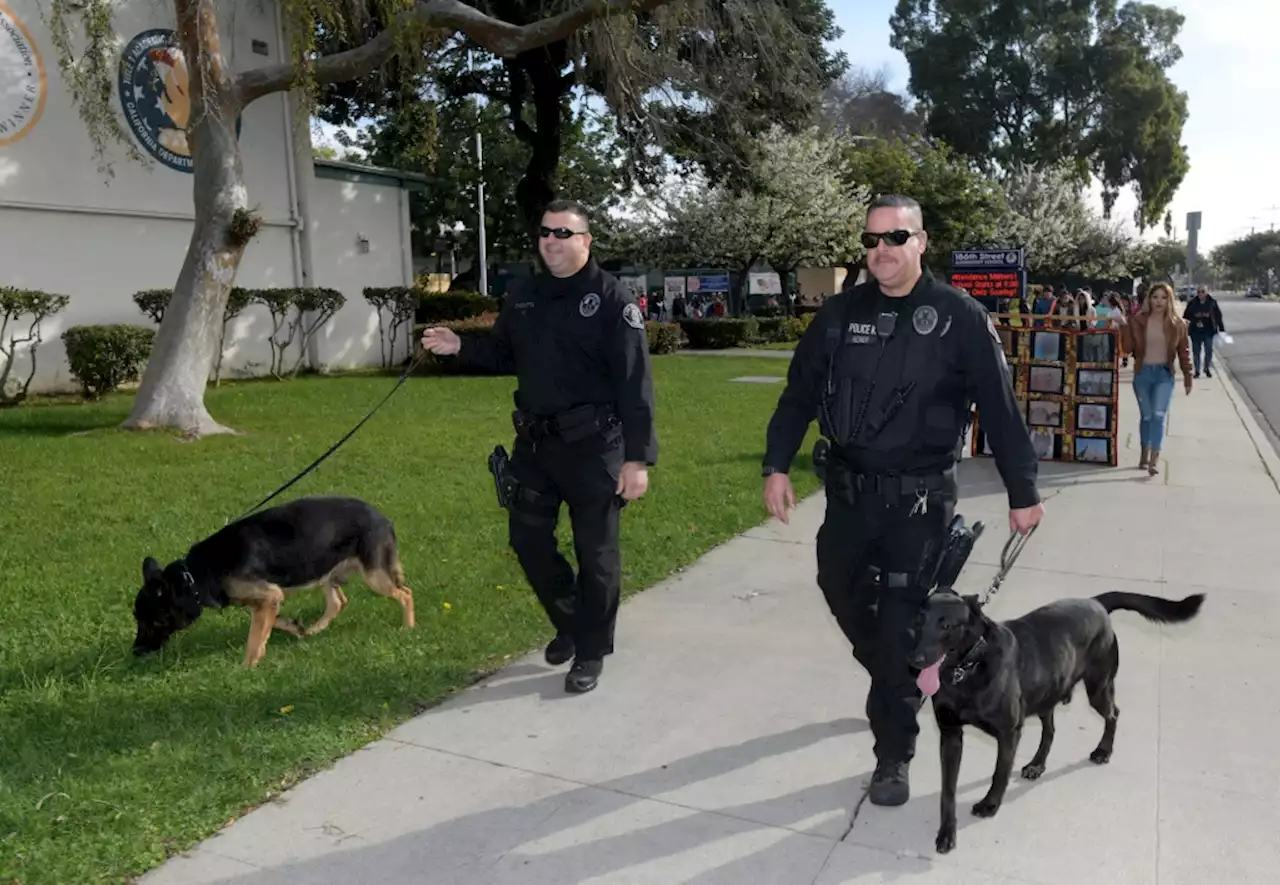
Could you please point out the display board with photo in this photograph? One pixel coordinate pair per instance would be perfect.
(1096, 347)
(1067, 381)
(1095, 382)
(1048, 346)
(1045, 379)
(1044, 413)
(1093, 416)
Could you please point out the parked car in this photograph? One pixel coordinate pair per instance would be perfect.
(1253, 292)
(1186, 292)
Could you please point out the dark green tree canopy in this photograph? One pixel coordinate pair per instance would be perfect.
(1014, 82)
(696, 81)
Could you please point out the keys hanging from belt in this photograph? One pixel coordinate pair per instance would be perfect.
(921, 505)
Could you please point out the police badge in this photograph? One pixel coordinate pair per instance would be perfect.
(925, 319)
(589, 304)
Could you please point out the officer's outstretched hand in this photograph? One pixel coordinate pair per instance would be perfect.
(779, 497)
(633, 480)
(1025, 519)
(441, 341)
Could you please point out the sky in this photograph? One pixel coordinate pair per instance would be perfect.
(1230, 70)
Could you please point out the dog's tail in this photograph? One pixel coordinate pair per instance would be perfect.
(1153, 608)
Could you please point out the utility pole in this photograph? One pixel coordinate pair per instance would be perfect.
(484, 258)
(1273, 210)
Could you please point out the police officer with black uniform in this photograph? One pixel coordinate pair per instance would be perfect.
(889, 368)
(584, 419)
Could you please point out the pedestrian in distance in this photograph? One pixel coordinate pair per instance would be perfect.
(1204, 318)
(1157, 338)
(890, 368)
(584, 422)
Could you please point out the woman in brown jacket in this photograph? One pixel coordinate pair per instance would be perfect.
(1156, 336)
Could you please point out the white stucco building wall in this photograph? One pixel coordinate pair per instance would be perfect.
(68, 227)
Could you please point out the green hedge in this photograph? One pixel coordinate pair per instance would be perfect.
(104, 357)
(444, 307)
(663, 337)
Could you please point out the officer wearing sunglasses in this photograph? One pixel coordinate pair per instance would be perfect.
(576, 341)
(890, 368)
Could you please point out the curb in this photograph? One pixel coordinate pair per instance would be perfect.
(1270, 460)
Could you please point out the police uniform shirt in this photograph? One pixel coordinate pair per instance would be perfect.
(574, 341)
(891, 381)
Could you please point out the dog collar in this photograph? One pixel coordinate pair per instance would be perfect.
(968, 663)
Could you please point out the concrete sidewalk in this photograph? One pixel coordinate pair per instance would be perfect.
(727, 742)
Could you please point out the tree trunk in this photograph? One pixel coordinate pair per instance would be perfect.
(543, 69)
(171, 394)
(784, 277)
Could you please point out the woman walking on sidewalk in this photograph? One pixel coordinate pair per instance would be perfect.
(1156, 336)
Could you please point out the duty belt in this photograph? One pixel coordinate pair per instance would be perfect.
(893, 487)
(571, 426)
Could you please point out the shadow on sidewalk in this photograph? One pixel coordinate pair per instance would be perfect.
(501, 844)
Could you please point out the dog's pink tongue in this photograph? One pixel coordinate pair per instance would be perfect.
(930, 679)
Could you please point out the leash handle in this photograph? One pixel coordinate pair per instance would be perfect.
(333, 448)
(1008, 556)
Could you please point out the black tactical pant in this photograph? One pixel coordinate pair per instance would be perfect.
(584, 475)
(893, 531)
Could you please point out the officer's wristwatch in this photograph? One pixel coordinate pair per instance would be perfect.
(769, 471)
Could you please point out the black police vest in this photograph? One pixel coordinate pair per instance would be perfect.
(894, 391)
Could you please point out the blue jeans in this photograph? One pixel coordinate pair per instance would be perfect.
(1153, 386)
(1202, 341)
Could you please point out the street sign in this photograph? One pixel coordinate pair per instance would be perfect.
(982, 259)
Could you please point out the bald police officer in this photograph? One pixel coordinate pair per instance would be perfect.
(576, 340)
(890, 368)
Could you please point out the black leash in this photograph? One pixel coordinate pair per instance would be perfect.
(1008, 556)
(316, 463)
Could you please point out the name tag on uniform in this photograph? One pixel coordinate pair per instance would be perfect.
(860, 333)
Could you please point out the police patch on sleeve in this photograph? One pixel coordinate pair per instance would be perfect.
(631, 313)
(925, 319)
(589, 304)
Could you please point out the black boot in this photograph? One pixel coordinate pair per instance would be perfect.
(889, 784)
(583, 675)
(560, 649)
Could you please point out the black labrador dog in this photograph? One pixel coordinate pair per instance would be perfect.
(259, 560)
(994, 675)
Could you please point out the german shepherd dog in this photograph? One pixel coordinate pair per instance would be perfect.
(995, 675)
(259, 560)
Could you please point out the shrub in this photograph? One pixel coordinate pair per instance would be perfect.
(322, 303)
(443, 307)
(718, 333)
(663, 337)
(400, 302)
(14, 304)
(480, 326)
(104, 357)
(153, 303)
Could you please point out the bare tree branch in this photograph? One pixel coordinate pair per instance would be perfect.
(499, 37)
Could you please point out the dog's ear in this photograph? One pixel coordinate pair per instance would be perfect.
(975, 607)
(151, 570)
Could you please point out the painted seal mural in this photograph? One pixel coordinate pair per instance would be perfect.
(23, 84)
(154, 88)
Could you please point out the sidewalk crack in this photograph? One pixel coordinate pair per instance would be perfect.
(857, 809)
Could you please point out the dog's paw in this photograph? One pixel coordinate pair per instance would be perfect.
(946, 840)
(1031, 772)
(1100, 756)
(986, 808)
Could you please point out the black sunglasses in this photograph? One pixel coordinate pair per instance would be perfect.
(560, 233)
(892, 237)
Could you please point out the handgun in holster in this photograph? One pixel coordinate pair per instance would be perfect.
(503, 482)
(945, 568)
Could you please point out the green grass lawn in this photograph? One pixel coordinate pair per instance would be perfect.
(109, 764)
